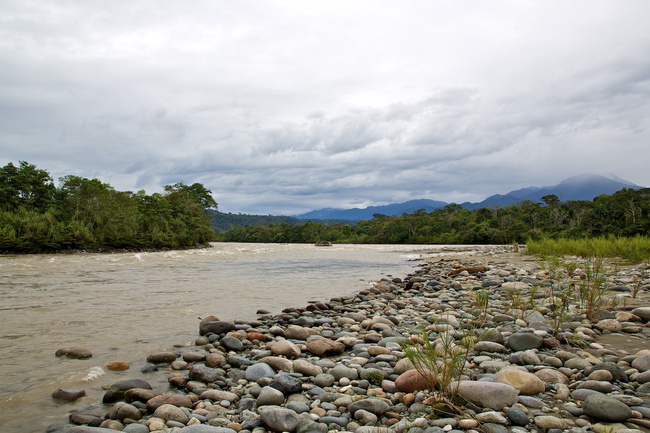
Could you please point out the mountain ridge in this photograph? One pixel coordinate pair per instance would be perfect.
(586, 186)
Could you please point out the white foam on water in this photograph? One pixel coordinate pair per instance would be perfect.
(94, 373)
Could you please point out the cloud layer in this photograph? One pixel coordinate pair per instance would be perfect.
(289, 106)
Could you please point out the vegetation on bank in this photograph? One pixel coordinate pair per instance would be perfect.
(87, 214)
(634, 249)
(623, 214)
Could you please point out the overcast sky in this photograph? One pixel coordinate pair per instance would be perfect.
(283, 107)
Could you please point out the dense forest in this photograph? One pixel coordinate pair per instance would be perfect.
(87, 214)
(625, 213)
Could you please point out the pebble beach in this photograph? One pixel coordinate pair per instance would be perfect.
(340, 365)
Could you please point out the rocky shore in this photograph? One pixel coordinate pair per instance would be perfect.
(340, 365)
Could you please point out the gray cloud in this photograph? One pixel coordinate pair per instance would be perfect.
(284, 107)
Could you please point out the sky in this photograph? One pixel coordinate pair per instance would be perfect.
(282, 107)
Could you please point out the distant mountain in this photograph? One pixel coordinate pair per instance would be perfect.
(367, 213)
(582, 187)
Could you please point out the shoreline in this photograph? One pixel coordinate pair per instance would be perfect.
(338, 364)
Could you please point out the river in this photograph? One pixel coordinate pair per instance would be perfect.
(124, 306)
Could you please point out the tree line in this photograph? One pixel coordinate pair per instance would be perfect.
(87, 214)
(624, 213)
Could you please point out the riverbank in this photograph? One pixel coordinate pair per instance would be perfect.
(338, 365)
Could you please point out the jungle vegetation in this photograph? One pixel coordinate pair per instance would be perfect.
(87, 214)
(625, 213)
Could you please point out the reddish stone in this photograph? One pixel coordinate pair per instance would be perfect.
(411, 381)
(117, 366)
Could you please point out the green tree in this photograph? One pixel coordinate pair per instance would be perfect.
(25, 186)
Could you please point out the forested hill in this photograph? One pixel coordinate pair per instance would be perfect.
(87, 214)
(223, 222)
(624, 213)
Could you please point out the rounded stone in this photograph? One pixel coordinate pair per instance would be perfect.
(286, 348)
(169, 412)
(306, 368)
(286, 384)
(524, 341)
(280, 419)
(161, 357)
(517, 416)
(257, 371)
(122, 410)
(606, 408)
(68, 394)
(491, 395)
(550, 375)
(524, 382)
(411, 381)
(270, 397)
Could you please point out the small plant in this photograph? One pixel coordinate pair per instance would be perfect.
(480, 301)
(592, 288)
(443, 361)
(375, 378)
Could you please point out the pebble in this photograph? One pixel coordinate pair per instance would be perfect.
(340, 365)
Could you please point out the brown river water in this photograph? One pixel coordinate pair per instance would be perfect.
(124, 306)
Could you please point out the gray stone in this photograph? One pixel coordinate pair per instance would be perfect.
(489, 346)
(617, 372)
(216, 327)
(298, 406)
(341, 371)
(606, 408)
(135, 428)
(88, 429)
(374, 405)
(122, 410)
(582, 394)
(204, 374)
(643, 313)
(492, 395)
(232, 343)
(279, 419)
(203, 428)
(533, 402)
(577, 363)
(258, 371)
(324, 380)
(238, 361)
(286, 384)
(365, 417)
(494, 428)
(270, 397)
(517, 416)
(524, 341)
(642, 363)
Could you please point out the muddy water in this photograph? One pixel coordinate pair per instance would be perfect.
(125, 306)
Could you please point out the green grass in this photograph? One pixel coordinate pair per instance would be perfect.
(636, 249)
